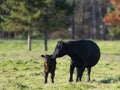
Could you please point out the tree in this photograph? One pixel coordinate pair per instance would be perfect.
(101, 22)
(72, 19)
(94, 19)
(2, 12)
(56, 15)
(112, 19)
(22, 16)
(30, 15)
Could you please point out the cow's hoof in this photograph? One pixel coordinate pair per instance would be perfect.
(45, 82)
(70, 80)
(78, 80)
(52, 81)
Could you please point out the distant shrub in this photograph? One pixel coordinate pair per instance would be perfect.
(60, 34)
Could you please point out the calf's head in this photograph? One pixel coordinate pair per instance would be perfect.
(49, 63)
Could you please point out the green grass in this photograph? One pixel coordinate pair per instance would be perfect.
(23, 70)
(110, 47)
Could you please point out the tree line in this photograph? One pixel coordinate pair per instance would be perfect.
(27, 16)
(79, 18)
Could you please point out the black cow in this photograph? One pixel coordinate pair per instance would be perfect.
(49, 67)
(84, 54)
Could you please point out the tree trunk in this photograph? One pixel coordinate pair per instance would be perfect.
(101, 22)
(2, 34)
(45, 39)
(83, 22)
(94, 19)
(73, 23)
(73, 27)
(29, 40)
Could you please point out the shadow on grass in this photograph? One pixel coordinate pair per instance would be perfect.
(110, 80)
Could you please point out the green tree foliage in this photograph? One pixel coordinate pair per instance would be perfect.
(25, 13)
(54, 15)
(21, 15)
(30, 15)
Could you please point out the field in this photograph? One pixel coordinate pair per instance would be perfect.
(23, 70)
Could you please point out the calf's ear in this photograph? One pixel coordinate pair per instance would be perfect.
(43, 56)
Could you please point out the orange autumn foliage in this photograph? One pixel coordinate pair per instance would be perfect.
(118, 6)
(115, 2)
(113, 18)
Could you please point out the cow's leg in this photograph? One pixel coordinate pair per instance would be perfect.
(52, 77)
(80, 71)
(72, 66)
(89, 70)
(46, 76)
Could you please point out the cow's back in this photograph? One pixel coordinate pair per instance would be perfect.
(83, 52)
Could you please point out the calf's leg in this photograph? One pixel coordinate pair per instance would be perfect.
(80, 71)
(46, 76)
(52, 77)
(72, 66)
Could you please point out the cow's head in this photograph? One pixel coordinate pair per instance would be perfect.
(60, 49)
(49, 64)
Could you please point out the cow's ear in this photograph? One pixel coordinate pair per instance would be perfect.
(43, 56)
(60, 44)
(60, 41)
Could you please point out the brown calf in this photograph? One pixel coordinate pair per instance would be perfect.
(49, 67)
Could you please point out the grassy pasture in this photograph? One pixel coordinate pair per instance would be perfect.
(23, 70)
